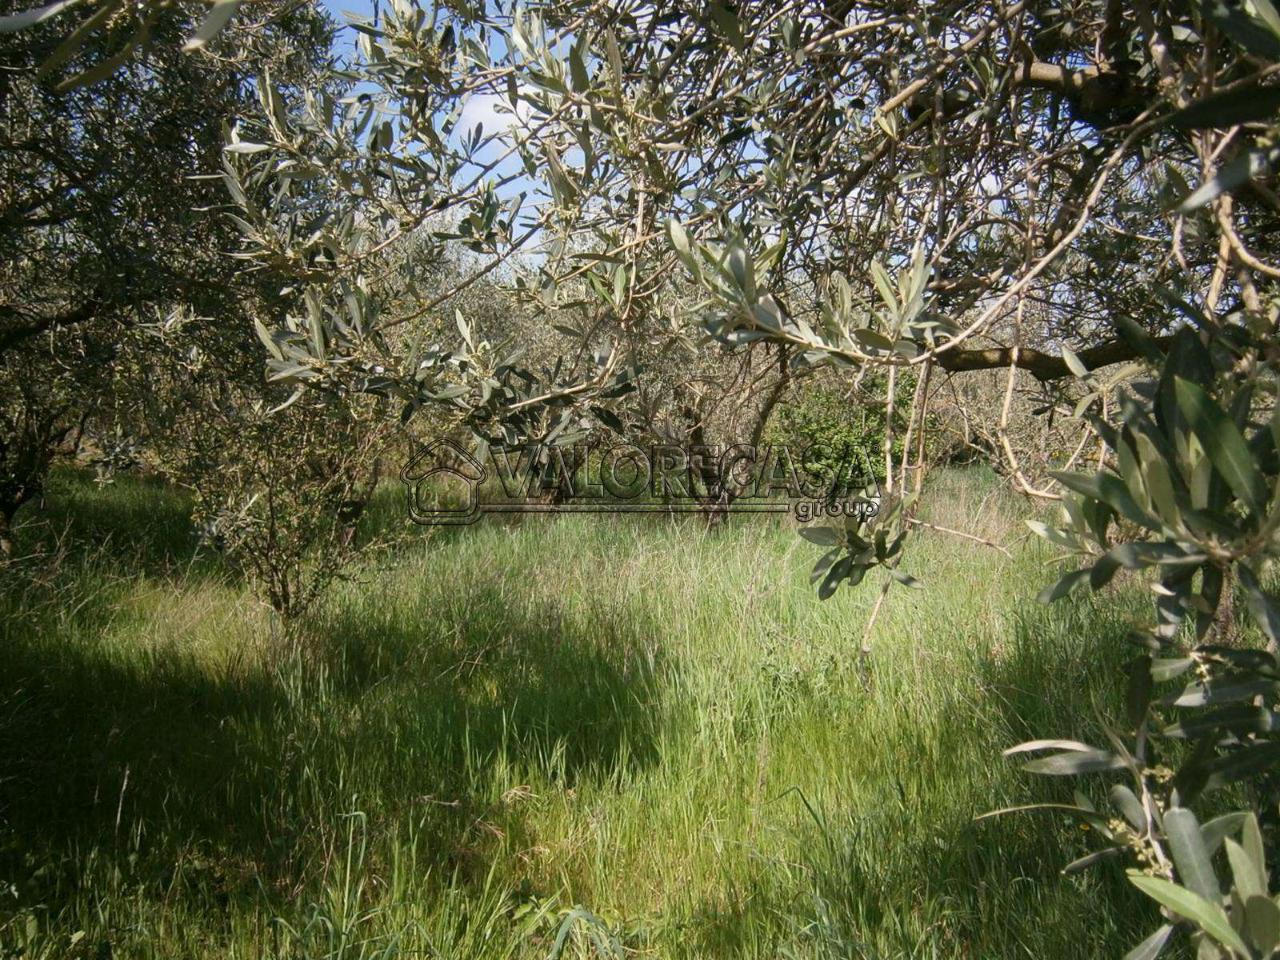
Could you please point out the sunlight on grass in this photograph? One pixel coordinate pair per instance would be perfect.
(482, 731)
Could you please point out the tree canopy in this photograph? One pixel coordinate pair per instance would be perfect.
(706, 203)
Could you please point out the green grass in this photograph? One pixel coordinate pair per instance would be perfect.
(658, 725)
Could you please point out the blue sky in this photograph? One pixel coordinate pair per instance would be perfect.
(478, 110)
(340, 7)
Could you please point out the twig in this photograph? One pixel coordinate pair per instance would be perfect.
(960, 533)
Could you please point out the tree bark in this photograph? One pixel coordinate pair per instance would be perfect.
(1043, 366)
(6, 535)
(15, 331)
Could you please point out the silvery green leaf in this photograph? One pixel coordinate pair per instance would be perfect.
(218, 17)
(1249, 165)
(29, 18)
(1185, 903)
(1189, 855)
(1151, 947)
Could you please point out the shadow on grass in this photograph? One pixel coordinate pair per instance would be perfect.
(145, 523)
(141, 523)
(171, 773)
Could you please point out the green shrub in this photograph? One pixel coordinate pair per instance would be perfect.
(847, 424)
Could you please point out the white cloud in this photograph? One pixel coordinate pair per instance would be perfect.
(494, 112)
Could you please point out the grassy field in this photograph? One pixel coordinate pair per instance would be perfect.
(574, 736)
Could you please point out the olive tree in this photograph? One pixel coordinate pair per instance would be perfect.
(1079, 196)
(106, 228)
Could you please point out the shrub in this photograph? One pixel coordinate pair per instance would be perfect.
(847, 423)
(282, 494)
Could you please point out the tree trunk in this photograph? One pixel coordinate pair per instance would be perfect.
(6, 534)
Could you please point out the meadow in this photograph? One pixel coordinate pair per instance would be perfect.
(573, 736)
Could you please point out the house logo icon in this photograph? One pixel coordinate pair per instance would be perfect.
(441, 460)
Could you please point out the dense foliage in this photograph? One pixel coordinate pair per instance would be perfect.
(708, 205)
(108, 232)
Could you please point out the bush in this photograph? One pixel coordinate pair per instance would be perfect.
(282, 493)
(849, 423)
(279, 483)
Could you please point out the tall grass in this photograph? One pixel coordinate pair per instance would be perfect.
(573, 736)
